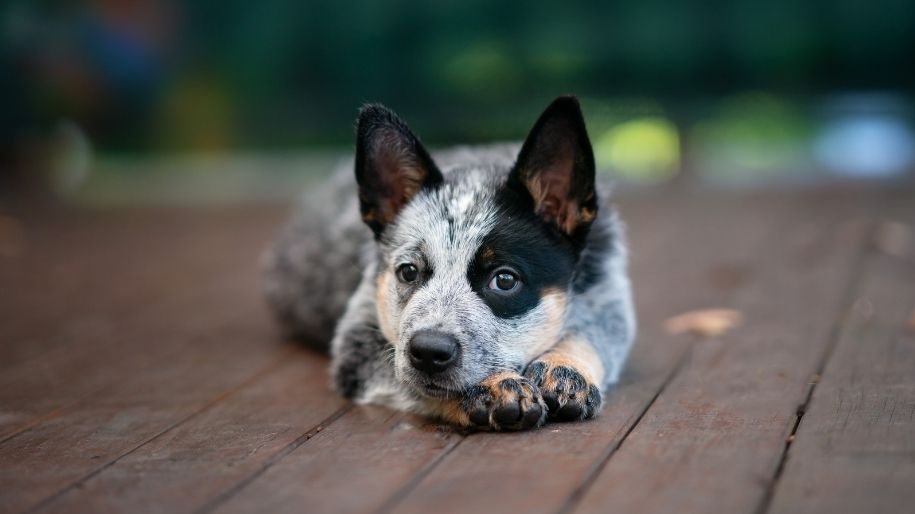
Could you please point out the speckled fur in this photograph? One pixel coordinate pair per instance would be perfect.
(326, 277)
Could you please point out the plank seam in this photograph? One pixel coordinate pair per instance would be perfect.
(846, 304)
(275, 458)
(420, 475)
(103, 389)
(591, 475)
(278, 362)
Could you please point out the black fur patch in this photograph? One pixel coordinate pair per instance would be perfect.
(569, 379)
(556, 169)
(536, 372)
(600, 245)
(391, 166)
(522, 242)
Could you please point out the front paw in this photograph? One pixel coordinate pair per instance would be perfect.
(568, 394)
(505, 401)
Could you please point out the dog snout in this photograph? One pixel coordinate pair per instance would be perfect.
(433, 352)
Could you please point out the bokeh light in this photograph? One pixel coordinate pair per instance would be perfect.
(643, 149)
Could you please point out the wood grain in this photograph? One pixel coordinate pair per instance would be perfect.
(122, 295)
(854, 450)
(353, 465)
(87, 403)
(185, 468)
(712, 440)
(139, 372)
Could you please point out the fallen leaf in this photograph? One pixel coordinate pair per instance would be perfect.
(705, 322)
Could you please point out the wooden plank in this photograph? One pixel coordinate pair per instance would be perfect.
(105, 400)
(713, 439)
(38, 390)
(175, 295)
(186, 467)
(353, 465)
(854, 450)
(55, 274)
(65, 261)
(371, 457)
(82, 439)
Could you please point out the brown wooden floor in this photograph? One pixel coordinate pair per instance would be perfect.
(139, 372)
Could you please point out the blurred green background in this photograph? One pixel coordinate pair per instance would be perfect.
(726, 89)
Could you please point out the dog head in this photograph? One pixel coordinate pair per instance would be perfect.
(475, 265)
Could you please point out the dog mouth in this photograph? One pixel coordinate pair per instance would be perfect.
(438, 386)
(434, 390)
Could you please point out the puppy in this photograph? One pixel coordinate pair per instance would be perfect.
(485, 286)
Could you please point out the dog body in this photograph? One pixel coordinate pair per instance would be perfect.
(490, 288)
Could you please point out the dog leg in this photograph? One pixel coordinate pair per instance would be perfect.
(359, 348)
(357, 360)
(569, 376)
(597, 336)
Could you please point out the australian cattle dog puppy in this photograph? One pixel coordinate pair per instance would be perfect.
(483, 286)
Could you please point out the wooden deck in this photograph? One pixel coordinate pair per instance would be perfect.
(140, 372)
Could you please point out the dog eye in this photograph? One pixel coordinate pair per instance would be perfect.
(407, 273)
(504, 281)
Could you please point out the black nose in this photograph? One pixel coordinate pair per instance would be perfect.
(433, 352)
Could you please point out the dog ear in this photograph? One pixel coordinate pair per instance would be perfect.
(391, 166)
(556, 168)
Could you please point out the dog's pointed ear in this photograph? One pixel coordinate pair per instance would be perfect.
(556, 168)
(391, 166)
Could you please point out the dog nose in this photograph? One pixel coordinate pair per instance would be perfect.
(433, 352)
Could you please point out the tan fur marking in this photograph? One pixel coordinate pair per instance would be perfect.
(554, 302)
(537, 191)
(577, 354)
(492, 381)
(403, 178)
(381, 301)
(554, 201)
(570, 218)
(501, 395)
(453, 412)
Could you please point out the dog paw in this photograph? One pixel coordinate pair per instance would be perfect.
(505, 401)
(568, 394)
